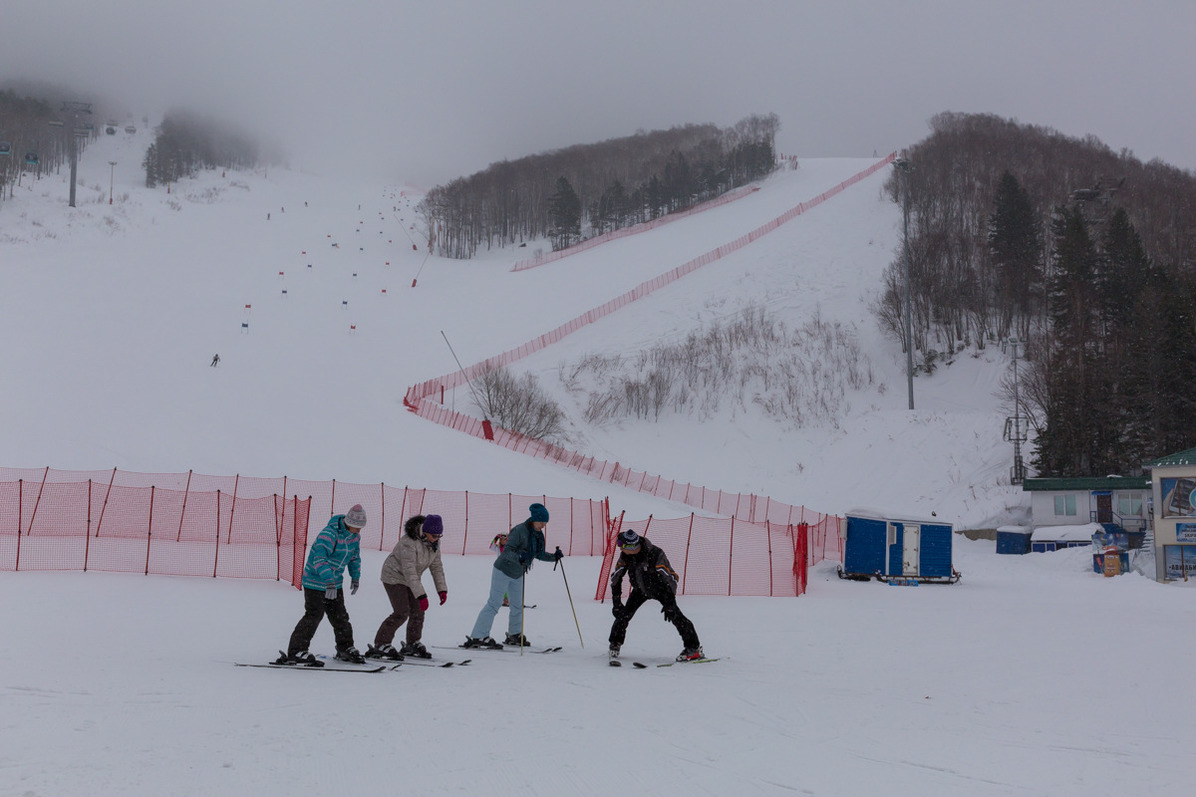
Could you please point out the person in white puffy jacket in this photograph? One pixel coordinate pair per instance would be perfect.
(417, 551)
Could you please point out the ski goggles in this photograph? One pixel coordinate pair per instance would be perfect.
(630, 547)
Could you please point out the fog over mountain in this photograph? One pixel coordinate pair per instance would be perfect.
(427, 92)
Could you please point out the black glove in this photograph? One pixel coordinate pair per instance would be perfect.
(669, 612)
(524, 557)
(557, 555)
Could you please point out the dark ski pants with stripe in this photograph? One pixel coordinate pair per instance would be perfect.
(406, 609)
(618, 631)
(315, 606)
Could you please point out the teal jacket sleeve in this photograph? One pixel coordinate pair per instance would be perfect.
(355, 560)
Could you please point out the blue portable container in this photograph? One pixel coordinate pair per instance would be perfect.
(888, 548)
(1013, 539)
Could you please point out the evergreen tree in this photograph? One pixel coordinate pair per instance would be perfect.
(150, 163)
(564, 214)
(1073, 442)
(612, 208)
(1124, 269)
(1015, 248)
(678, 184)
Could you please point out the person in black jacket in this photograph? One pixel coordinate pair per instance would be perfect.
(652, 578)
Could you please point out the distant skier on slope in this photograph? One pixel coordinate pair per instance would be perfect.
(336, 547)
(651, 578)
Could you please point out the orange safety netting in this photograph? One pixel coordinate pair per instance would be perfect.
(426, 400)
(185, 523)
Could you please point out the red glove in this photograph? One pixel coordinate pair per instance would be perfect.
(443, 597)
(423, 603)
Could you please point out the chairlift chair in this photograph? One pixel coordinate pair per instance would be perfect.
(31, 158)
(5, 148)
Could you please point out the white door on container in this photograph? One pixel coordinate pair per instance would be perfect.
(910, 544)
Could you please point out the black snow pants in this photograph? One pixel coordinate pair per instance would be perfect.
(315, 606)
(618, 631)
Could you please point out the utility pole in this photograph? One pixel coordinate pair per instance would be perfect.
(904, 167)
(74, 109)
(111, 178)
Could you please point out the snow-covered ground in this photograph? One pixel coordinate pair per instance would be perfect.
(1030, 676)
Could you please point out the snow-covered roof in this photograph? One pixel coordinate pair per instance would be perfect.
(1083, 531)
(1180, 458)
(877, 514)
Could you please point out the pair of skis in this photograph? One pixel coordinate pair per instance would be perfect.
(330, 664)
(639, 665)
(504, 648)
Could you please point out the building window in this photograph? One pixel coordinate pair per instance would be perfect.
(1129, 504)
(1180, 561)
(1065, 505)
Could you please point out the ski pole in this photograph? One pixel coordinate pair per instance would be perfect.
(522, 608)
(561, 562)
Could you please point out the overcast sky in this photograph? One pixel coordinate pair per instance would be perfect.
(427, 91)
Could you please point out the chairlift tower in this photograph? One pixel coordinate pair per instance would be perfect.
(74, 109)
(1013, 426)
(904, 167)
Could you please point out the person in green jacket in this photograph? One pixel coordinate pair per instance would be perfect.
(525, 544)
(336, 547)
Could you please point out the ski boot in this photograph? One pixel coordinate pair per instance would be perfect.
(415, 650)
(383, 652)
(481, 642)
(516, 639)
(691, 654)
(301, 658)
(351, 655)
(613, 653)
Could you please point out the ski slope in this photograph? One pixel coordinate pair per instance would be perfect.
(1024, 678)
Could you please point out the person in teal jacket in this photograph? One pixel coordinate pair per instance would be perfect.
(525, 544)
(336, 547)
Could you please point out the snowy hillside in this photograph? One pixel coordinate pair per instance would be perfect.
(119, 309)
(1025, 678)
